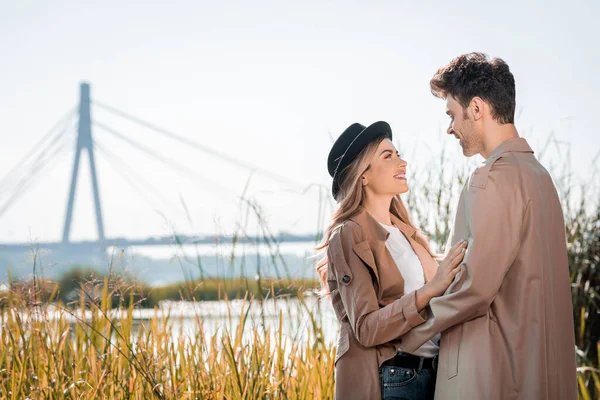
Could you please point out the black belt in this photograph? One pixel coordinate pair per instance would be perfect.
(404, 360)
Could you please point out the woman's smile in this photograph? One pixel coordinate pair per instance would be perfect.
(401, 175)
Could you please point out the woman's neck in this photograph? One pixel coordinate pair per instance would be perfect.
(379, 208)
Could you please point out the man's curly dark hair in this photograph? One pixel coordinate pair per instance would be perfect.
(475, 75)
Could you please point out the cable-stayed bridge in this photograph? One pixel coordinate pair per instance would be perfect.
(15, 184)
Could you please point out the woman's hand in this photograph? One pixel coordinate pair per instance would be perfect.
(448, 269)
(444, 276)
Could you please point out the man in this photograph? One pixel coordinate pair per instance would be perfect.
(507, 319)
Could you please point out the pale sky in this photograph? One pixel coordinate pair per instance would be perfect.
(268, 83)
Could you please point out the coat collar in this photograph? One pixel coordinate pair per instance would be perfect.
(374, 230)
(375, 237)
(511, 145)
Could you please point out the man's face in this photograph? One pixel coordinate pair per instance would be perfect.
(463, 127)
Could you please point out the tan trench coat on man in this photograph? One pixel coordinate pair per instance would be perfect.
(507, 319)
(367, 293)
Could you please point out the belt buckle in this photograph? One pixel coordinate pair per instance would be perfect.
(434, 363)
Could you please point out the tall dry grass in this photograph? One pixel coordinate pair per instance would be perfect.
(84, 351)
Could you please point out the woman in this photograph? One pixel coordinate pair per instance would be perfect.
(379, 271)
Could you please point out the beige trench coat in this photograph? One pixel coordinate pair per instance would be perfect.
(367, 293)
(507, 319)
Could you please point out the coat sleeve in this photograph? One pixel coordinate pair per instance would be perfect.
(495, 211)
(350, 278)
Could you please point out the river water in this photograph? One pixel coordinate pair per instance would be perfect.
(187, 319)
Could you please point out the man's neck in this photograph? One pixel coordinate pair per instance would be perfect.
(495, 135)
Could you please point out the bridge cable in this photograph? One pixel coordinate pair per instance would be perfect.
(163, 159)
(125, 172)
(25, 183)
(48, 136)
(276, 177)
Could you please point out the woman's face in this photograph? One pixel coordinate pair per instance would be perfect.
(386, 174)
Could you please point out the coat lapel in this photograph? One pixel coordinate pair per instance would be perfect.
(373, 252)
(428, 263)
(372, 246)
(363, 250)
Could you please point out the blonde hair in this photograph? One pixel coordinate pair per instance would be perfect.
(350, 199)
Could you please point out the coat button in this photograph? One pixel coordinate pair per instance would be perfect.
(346, 279)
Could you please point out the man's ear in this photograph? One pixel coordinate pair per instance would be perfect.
(477, 108)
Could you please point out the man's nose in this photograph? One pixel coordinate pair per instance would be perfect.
(450, 130)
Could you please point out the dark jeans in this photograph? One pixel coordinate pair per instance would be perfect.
(406, 384)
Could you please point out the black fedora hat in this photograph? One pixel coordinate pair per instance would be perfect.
(349, 145)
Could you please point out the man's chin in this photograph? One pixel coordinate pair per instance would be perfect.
(468, 153)
(465, 150)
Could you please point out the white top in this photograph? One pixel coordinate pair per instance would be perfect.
(412, 271)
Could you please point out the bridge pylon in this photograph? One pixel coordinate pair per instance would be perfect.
(84, 142)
